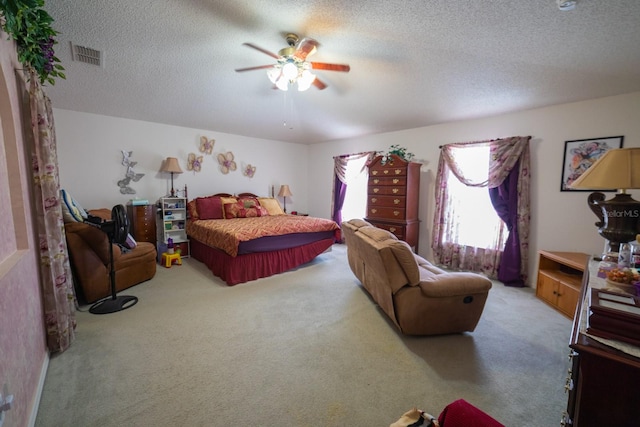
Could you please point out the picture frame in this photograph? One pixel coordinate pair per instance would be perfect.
(580, 154)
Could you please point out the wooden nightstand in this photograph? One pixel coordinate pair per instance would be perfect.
(560, 279)
(142, 220)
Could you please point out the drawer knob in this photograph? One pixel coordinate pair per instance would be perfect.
(375, 190)
(395, 191)
(396, 201)
(396, 213)
(386, 172)
(396, 180)
(374, 200)
(374, 210)
(568, 386)
(376, 180)
(392, 229)
(374, 172)
(398, 171)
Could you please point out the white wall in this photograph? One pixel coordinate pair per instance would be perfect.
(560, 221)
(89, 151)
(90, 162)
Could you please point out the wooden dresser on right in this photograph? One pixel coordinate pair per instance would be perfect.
(393, 194)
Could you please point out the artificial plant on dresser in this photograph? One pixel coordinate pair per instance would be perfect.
(393, 195)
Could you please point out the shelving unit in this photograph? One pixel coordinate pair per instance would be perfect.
(560, 279)
(173, 211)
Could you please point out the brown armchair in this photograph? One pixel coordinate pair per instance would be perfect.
(89, 253)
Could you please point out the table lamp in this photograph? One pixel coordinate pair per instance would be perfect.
(284, 193)
(620, 216)
(172, 166)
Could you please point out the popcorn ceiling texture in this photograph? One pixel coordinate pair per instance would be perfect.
(413, 63)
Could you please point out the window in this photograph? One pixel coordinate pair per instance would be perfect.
(355, 201)
(476, 221)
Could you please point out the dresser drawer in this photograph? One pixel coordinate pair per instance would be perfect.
(377, 201)
(387, 171)
(387, 191)
(385, 213)
(398, 230)
(397, 181)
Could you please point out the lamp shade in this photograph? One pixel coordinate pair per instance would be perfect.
(616, 169)
(285, 191)
(171, 165)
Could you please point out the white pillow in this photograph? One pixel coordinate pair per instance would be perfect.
(71, 209)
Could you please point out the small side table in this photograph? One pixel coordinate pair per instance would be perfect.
(168, 259)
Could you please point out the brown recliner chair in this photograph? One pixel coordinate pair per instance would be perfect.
(89, 254)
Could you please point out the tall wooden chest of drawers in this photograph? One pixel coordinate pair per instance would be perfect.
(142, 222)
(392, 197)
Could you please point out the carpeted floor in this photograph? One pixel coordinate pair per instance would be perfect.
(304, 348)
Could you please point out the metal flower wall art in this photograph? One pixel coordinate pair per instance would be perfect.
(194, 163)
(130, 175)
(206, 145)
(226, 162)
(249, 171)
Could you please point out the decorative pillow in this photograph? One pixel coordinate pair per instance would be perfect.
(209, 208)
(252, 212)
(225, 201)
(271, 205)
(237, 210)
(71, 209)
(192, 210)
(249, 202)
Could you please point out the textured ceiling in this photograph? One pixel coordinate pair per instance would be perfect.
(413, 63)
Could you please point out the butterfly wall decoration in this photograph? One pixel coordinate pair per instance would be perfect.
(206, 145)
(226, 162)
(130, 175)
(249, 171)
(194, 163)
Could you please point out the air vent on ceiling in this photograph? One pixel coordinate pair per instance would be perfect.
(87, 55)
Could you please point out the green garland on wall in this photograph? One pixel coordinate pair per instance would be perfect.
(29, 25)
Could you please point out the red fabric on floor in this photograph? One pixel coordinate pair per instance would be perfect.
(463, 414)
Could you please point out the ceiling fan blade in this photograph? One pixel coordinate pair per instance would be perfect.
(259, 67)
(265, 51)
(330, 67)
(319, 83)
(305, 48)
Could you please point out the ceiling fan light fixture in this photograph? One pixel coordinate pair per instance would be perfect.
(305, 80)
(290, 70)
(282, 83)
(274, 74)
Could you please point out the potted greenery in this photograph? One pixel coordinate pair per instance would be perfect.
(398, 151)
(29, 25)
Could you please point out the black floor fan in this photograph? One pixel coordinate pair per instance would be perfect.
(117, 230)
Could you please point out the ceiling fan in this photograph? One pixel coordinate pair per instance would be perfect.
(292, 66)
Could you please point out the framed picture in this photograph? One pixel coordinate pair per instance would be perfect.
(580, 154)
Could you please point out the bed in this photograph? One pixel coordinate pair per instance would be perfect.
(247, 237)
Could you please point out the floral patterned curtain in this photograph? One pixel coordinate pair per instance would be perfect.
(508, 170)
(55, 273)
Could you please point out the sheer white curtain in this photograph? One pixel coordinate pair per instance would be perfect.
(470, 233)
(466, 233)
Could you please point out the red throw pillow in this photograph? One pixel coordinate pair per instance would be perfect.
(209, 207)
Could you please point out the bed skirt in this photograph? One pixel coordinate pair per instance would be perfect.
(251, 266)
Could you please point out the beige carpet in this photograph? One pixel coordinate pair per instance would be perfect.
(303, 348)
